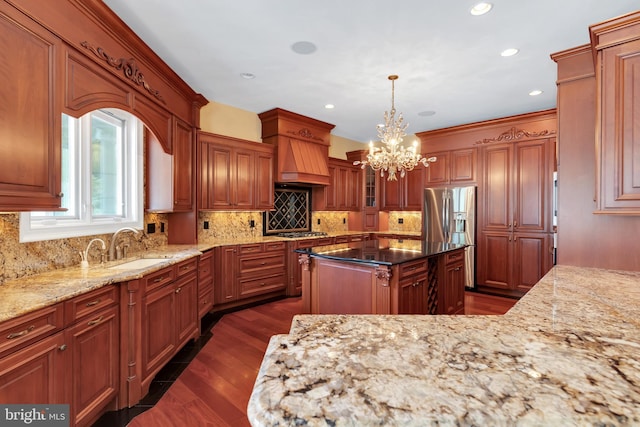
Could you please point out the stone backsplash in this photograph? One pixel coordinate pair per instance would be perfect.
(330, 221)
(411, 221)
(228, 225)
(24, 259)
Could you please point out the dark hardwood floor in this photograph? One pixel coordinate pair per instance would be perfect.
(210, 381)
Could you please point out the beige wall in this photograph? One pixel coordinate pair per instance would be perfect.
(231, 121)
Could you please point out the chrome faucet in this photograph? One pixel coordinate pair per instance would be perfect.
(84, 255)
(114, 238)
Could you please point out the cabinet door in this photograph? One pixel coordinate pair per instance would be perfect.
(217, 193)
(438, 172)
(331, 190)
(494, 259)
(342, 188)
(495, 200)
(182, 166)
(94, 344)
(619, 140)
(413, 189)
(264, 181)
(463, 165)
(532, 259)
(243, 178)
(353, 189)
(158, 330)
(36, 374)
(454, 288)
(391, 194)
(186, 303)
(532, 186)
(412, 295)
(30, 114)
(224, 285)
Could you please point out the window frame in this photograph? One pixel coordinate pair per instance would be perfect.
(35, 227)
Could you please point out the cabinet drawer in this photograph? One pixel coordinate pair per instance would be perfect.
(254, 265)
(18, 332)
(89, 303)
(262, 285)
(186, 267)
(205, 266)
(413, 267)
(342, 239)
(453, 256)
(251, 249)
(159, 278)
(274, 246)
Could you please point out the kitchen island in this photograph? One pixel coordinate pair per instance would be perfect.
(381, 276)
(568, 353)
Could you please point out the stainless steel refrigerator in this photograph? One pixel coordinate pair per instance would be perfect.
(450, 216)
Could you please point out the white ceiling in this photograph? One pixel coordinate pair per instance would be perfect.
(448, 60)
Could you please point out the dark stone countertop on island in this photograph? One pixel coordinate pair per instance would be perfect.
(381, 251)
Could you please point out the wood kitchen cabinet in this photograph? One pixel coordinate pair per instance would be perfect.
(617, 51)
(455, 167)
(31, 65)
(234, 174)
(369, 192)
(294, 285)
(515, 204)
(344, 190)
(451, 283)
(413, 288)
(66, 353)
(249, 273)
(205, 283)
(404, 194)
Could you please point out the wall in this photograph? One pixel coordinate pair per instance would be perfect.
(585, 239)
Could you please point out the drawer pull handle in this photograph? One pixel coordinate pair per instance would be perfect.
(92, 303)
(15, 335)
(412, 268)
(159, 279)
(178, 290)
(262, 263)
(95, 321)
(185, 267)
(63, 347)
(456, 269)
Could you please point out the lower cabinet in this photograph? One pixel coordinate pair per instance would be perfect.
(451, 283)
(413, 288)
(249, 273)
(67, 353)
(205, 283)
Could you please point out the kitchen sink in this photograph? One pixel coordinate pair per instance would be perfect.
(138, 263)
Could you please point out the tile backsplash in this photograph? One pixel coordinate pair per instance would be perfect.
(411, 221)
(228, 225)
(330, 221)
(24, 259)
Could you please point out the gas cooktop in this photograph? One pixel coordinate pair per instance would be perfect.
(295, 234)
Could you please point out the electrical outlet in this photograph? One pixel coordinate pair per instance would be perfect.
(318, 221)
(252, 223)
(344, 220)
(151, 228)
(162, 227)
(400, 220)
(206, 225)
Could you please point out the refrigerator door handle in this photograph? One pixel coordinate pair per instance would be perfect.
(446, 221)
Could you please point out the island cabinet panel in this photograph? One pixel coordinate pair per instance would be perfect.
(451, 283)
(617, 48)
(31, 67)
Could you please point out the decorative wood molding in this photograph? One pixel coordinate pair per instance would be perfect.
(304, 261)
(305, 133)
(127, 66)
(384, 275)
(514, 134)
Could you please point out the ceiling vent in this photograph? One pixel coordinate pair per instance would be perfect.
(302, 146)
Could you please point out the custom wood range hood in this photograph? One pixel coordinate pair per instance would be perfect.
(302, 146)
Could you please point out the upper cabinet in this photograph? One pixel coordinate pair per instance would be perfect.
(301, 146)
(234, 174)
(452, 167)
(73, 58)
(344, 190)
(616, 45)
(30, 114)
(404, 194)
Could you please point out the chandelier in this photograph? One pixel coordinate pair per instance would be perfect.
(392, 157)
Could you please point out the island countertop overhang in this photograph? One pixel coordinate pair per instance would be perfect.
(381, 251)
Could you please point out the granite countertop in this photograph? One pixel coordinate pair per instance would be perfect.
(568, 353)
(381, 251)
(30, 293)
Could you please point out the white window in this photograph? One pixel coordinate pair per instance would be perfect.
(101, 179)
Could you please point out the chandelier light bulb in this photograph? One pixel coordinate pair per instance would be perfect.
(392, 157)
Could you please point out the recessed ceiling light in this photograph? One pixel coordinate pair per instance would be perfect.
(248, 76)
(509, 52)
(329, 106)
(481, 8)
(535, 92)
(303, 48)
(427, 113)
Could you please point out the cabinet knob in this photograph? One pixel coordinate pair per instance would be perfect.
(60, 195)
(456, 269)
(63, 347)
(178, 290)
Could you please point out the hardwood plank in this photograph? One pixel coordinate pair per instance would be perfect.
(214, 389)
